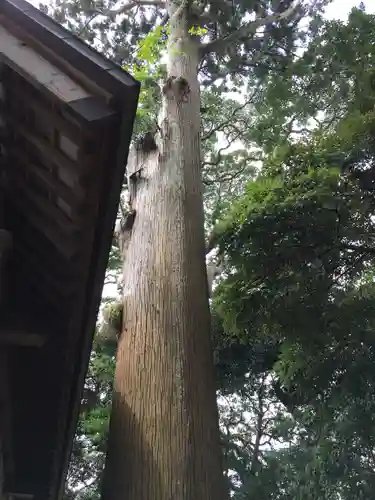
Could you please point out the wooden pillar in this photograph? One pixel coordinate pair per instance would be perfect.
(5, 247)
(10, 339)
(5, 418)
(3, 411)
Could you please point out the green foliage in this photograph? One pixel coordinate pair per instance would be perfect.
(300, 254)
(333, 76)
(300, 281)
(198, 31)
(151, 47)
(113, 315)
(88, 453)
(148, 70)
(296, 242)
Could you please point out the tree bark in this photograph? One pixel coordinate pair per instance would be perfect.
(164, 435)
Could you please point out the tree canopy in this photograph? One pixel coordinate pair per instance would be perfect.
(300, 253)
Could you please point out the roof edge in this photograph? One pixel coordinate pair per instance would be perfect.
(77, 53)
(102, 245)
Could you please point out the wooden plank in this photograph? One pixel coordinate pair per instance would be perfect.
(42, 146)
(22, 332)
(76, 72)
(32, 240)
(32, 265)
(49, 174)
(53, 213)
(18, 496)
(21, 338)
(6, 413)
(51, 116)
(52, 306)
(28, 97)
(48, 180)
(26, 61)
(6, 243)
(29, 242)
(66, 246)
(63, 283)
(3, 390)
(88, 186)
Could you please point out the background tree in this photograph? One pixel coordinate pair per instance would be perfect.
(300, 251)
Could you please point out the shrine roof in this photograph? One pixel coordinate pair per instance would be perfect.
(66, 119)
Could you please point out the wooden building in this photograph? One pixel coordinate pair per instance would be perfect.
(66, 118)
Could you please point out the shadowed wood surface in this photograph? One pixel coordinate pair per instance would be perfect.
(66, 117)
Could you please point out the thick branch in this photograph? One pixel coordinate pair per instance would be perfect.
(259, 432)
(228, 145)
(248, 29)
(230, 177)
(128, 6)
(359, 248)
(211, 241)
(219, 127)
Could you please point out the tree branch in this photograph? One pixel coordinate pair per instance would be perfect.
(219, 127)
(128, 6)
(230, 141)
(234, 175)
(358, 248)
(219, 45)
(211, 241)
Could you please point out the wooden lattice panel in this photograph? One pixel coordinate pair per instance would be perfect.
(52, 182)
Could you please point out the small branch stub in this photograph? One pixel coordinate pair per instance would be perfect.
(128, 221)
(136, 175)
(245, 32)
(146, 143)
(123, 230)
(176, 88)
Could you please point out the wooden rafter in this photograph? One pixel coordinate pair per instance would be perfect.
(37, 69)
(21, 338)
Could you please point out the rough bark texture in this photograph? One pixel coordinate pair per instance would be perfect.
(164, 435)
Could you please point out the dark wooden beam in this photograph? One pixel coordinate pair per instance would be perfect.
(6, 414)
(48, 180)
(50, 283)
(16, 332)
(44, 148)
(19, 88)
(33, 67)
(20, 496)
(65, 246)
(21, 338)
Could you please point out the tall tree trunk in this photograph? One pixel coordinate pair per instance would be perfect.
(164, 434)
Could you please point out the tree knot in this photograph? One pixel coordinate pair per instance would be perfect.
(176, 87)
(146, 143)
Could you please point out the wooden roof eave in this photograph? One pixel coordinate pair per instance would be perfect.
(67, 51)
(112, 94)
(97, 275)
